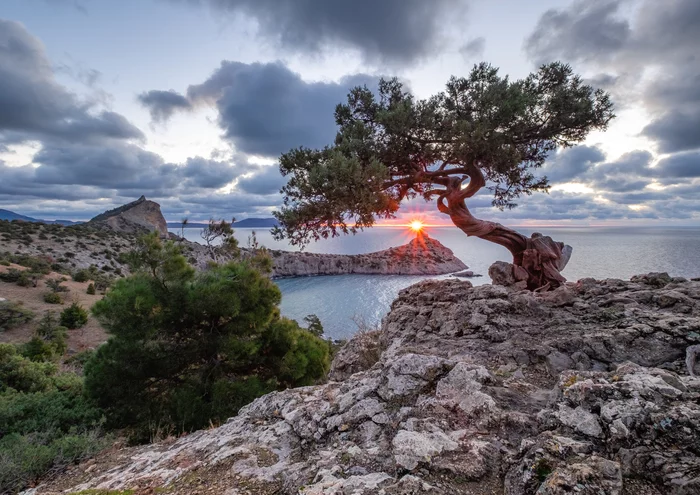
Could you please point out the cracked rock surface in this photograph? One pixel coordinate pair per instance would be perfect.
(477, 390)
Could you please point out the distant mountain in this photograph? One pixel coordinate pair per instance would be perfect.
(61, 222)
(190, 225)
(248, 223)
(11, 215)
(267, 223)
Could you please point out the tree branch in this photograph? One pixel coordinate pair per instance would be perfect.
(476, 181)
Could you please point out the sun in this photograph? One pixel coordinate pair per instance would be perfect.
(416, 225)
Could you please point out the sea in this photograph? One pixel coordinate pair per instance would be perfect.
(345, 303)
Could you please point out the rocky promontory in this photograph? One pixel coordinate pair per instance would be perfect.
(138, 216)
(422, 256)
(465, 390)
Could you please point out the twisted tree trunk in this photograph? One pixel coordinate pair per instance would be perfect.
(537, 260)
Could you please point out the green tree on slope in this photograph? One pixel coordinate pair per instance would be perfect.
(187, 349)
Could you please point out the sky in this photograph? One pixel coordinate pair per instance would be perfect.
(191, 102)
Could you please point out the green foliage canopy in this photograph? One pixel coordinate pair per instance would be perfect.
(74, 316)
(46, 421)
(189, 348)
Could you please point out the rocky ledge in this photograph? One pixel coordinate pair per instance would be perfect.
(475, 390)
(422, 256)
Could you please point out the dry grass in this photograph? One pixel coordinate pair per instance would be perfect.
(32, 298)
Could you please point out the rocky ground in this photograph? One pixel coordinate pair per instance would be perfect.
(476, 390)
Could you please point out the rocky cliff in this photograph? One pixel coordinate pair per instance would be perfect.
(476, 390)
(138, 216)
(422, 256)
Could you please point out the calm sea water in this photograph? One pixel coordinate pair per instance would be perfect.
(599, 252)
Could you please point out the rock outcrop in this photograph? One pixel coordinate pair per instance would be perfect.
(136, 217)
(478, 390)
(422, 256)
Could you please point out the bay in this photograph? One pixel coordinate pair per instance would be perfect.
(599, 252)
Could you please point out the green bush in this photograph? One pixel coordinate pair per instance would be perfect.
(38, 264)
(12, 275)
(74, 316)
(206, 343)
(53, 298)
(91, 289)
(21, 374)
(81, 276)
(26, 279)
(12, 315)
(48, 342)
(46, 420)
(55, 285)
(79, 359)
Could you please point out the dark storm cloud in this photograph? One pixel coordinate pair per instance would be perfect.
(679, 166)
(661, 43)
(675, 131)
(33, 106)
(585, 31)
(119, 165)
(263, 179)
(631, 172)
(266, 109)
(86, 161)
(572, 163)
(122, 168)
(390, 31)
(473, 48)
(561, 206)
(203, 173)
(162, 104)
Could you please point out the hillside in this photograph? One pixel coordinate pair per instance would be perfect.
(32, 298)
(11, 215)
(473, 390)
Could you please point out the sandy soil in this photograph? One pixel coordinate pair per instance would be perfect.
(32, 298)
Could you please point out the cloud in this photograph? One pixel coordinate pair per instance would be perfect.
(123, 169)
(473, 48)
(162, 104)
(585, 31)
(33, 106)
(390, 31)
(263, 179)
(679, 166)
(208, 174)
(675, 131)
(571, 163)
(266, 109)
(89, 160)
(660, 42)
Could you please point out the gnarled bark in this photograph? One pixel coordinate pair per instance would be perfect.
(537, 260)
